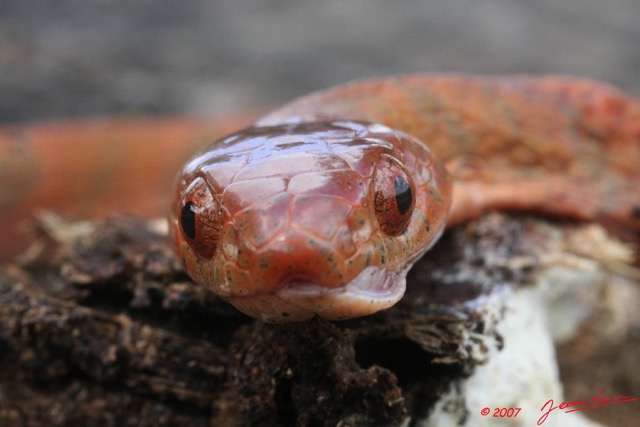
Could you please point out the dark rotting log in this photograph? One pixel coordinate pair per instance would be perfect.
(114, 333)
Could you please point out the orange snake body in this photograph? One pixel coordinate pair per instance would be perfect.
(321, 207)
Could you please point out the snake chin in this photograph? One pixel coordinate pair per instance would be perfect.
(374, 289)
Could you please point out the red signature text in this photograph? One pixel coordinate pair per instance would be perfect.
(580, 405)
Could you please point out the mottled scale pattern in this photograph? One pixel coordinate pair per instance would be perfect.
(556, 145)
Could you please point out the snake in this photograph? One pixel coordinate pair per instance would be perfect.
(321, 207)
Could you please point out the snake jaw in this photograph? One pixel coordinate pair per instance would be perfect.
(373, 290)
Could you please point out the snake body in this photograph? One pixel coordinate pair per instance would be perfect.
(321, 207)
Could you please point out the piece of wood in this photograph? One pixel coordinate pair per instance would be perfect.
(112, 332)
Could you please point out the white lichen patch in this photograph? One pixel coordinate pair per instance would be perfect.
(523, 374)
(580, 272)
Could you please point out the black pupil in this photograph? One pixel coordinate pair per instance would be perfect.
(403, 194)
(188, 220)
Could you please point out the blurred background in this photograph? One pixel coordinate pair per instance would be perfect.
(92, 58)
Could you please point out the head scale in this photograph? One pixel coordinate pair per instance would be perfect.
(292, 221)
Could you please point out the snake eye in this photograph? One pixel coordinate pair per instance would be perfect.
(393, 197)
(188, 220)
(404, 196)
(198, 221)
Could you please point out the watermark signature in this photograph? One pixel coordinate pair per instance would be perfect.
(581, 405)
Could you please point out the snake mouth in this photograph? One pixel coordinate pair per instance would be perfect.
(374, 289)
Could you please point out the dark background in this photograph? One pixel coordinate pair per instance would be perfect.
(97, 57)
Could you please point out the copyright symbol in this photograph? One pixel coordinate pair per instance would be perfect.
(485, 411)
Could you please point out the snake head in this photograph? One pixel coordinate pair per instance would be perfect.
(322, 218)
